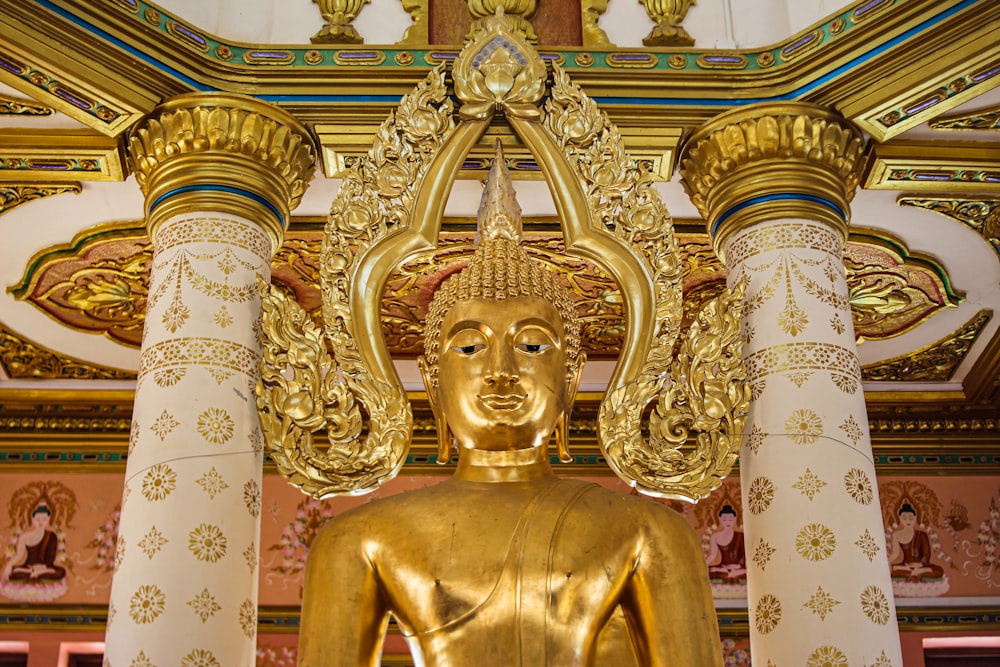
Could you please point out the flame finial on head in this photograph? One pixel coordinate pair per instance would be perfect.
(499, 212)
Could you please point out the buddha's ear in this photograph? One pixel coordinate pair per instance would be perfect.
(573, 380)
(428, 378)
(440, 423)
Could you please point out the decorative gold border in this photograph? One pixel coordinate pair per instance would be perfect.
(59, 156)
(925, 166)
(272, 620)
(943, 356)
(926, 46)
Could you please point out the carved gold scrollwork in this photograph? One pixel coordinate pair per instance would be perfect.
(936, 362)
(389, 211)
(704, 387)
(11, 106)
(304, 388)
(13, 195)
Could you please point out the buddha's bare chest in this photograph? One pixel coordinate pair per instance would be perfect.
(488, 565)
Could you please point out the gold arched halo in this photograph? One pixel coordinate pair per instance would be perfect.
(390, 208)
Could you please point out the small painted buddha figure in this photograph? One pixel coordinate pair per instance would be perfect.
(911, 549)
(727, 559)
(504, 563)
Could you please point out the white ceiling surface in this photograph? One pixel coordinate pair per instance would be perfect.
(713, 23)
(26, 230)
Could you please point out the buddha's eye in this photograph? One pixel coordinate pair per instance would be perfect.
(468, 349)
(533, 348)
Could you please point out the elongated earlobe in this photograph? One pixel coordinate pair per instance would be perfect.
(562, 440)
(444, 439)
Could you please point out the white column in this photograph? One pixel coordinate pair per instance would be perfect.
(774, 182)
(185, 584)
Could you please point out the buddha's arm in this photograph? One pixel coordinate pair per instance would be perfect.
(344, 615)
(668, 601)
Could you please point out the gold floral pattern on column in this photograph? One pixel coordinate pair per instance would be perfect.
(804, 426)
(762, 554)
(212, 483)
(248, 618)
(815, 542)
(821, 603)
(204, 605)
(207, 543)
(859, 486)
(200, 658)
(755, 438)
(760, 495)
(164, 424)
(147, 604)
(251, 497)
(875, 605)
(852, 430)
(152, 542)
(809, 484)
(216, 426)
(159, 482)
(827, 656)
(868, 545)
(767, 614)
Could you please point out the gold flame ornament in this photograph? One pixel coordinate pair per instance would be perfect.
(390, 210)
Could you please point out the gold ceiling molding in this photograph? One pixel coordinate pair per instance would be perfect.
(13, 195)
(925, 166)
(99, 281)
(24, 359)
(892, 290)
(934, 363)
(11, 106)
(924, 47)
(343, 146)
(981, 119)
(980, 213)
(59, 155)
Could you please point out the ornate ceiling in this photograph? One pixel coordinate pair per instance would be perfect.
(918, 77)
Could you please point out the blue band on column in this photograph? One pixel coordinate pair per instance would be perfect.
(221, 188)
(783, 196)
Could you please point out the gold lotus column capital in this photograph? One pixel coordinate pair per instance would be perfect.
(773, 160)
(225, 152)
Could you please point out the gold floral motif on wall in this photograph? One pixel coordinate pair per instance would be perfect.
(99, 283)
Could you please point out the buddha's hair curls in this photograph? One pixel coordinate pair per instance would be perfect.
(500, 269)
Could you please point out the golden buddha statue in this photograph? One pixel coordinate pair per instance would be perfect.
(505, 563)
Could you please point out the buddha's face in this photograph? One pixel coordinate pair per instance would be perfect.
(502, 376)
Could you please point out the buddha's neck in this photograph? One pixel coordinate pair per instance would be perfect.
(519, 465)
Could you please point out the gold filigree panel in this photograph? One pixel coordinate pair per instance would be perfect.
(13, 195)
(12, 106)
(982, 214)
(99, 283)
(981, 119)
(24, 359)
(891, 290)
(936, 362)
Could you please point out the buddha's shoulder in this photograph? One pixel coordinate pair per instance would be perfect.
(630, 508)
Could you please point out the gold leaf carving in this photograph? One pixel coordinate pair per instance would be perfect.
(981, 214)
(23, 359)
(13, 195)
(891, 290)
(11, 106)
(936, 362)
(375, 203)
(981, 119)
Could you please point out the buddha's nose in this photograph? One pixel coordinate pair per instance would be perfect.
(501, 368)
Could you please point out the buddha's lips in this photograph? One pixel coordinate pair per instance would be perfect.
(502, 401)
